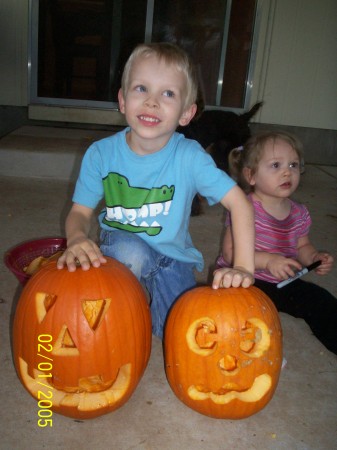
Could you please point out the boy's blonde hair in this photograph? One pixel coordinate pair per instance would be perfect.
(250, 154)
(170, 54)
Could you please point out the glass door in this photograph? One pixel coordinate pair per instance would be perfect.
(79, 47)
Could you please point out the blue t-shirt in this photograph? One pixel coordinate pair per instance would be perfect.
(151, 195)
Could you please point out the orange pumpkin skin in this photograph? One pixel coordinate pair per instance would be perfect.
(223, 351)
(83, 338)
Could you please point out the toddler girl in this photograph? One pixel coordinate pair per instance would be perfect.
(268, 169)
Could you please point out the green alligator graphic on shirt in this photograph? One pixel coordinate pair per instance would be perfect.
(132, 208)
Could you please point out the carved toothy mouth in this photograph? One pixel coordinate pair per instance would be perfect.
(88, 397)
(259, 388)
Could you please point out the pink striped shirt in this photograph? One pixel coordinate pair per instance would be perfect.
(277, 236)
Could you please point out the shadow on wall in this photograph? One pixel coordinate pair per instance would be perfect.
(11, 118)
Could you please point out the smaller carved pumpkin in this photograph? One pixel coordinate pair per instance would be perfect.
(223, 351)
(82, 338)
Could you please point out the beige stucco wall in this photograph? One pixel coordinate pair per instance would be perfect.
(13, 52)
(296, 68)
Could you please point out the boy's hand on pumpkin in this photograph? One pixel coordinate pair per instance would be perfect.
(83, 253)
(232, 277)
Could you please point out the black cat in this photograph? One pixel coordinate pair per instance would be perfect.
(218, 132)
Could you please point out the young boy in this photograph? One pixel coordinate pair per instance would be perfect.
(148, 175)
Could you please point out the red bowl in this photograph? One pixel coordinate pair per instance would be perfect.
(20, 256)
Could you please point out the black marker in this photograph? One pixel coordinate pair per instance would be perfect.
(299, 274)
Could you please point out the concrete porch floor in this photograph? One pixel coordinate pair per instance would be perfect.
(302, 415)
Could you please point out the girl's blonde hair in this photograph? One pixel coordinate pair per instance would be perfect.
(250, 154)
(170, 54)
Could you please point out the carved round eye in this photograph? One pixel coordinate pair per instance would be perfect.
(202, 336)
(255, 338)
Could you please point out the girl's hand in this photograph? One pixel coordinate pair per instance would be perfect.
(281, 267)
(326, 264)
(81, 252)
(232, 277)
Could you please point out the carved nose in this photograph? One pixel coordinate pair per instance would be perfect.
(229, 365)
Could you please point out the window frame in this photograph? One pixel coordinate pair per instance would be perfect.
(113, 106)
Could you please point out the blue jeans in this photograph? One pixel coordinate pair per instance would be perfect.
(164, 278)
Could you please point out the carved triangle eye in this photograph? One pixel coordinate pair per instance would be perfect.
(65, 344)
(43, 302)
(95, 310)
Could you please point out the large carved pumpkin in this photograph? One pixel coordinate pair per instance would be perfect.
(223, 351)
(82, 338)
